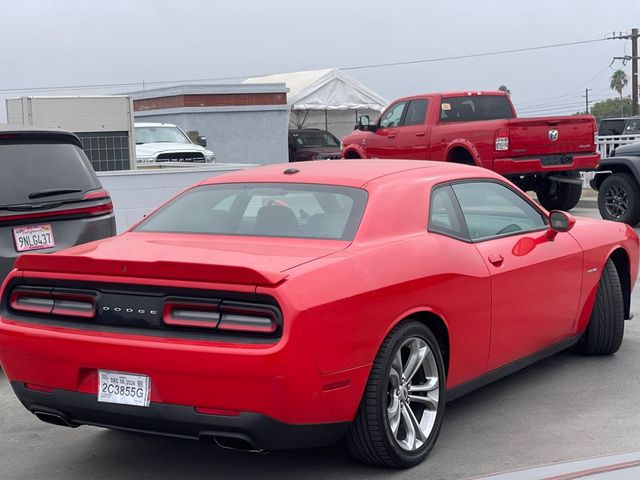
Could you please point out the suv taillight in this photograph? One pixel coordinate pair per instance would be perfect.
(501, 140)
(103, 208)
(51, 302)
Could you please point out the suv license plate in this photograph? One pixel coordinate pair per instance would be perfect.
(123, 388)
(34, 237)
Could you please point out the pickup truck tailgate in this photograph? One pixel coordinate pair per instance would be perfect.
(548, 136)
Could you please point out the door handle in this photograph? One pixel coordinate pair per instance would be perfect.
(420, 134)
(391, 135)
(496, 259)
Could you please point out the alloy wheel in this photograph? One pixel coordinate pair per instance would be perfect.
(615, 201)
(413, 394)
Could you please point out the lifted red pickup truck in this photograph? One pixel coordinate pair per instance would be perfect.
(543, 154)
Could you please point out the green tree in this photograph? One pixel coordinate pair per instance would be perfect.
(503, 88)
(619, 80)
(612, 107)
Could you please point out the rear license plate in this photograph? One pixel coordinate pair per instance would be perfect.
(123, 388)
(35, 237)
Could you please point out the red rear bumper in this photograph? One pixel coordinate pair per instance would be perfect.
(280, 381)
(515, 166)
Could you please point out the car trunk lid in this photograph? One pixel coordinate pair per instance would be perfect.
(186, 257)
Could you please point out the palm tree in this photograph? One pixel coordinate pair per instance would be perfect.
(619, 80)
(503, 88)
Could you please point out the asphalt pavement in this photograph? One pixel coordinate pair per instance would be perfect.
(565, 407)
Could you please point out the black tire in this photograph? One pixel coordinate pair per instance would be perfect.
(559, 196)
(605, 330)
(619, 199)
(370, 438)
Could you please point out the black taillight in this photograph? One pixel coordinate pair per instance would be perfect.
(190, 314)
(52, 302)
(227, 316)
(242, 318)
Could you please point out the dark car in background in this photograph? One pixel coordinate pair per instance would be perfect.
(619, 126)
(617, 181)
(50, 197)
(313, 144)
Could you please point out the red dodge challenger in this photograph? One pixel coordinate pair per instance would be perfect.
(284, 307)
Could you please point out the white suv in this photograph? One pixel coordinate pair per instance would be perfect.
(165, 142)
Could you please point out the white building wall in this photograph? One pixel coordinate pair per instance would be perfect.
(252, 134)
(136, 193)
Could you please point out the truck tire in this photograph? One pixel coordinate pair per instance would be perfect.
(559, 196)
(619, 199)
(603, 335)
(400, 414)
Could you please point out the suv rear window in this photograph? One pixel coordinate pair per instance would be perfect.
(612, 127)
(33, 167)
(474, 108)
(263, 209)
(312, 138)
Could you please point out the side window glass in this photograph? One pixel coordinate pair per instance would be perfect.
(633, 127)
(416, 112)
(392, 117)
(493, 210)
(443, 214)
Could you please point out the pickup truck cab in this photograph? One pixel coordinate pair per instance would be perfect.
(543, 154)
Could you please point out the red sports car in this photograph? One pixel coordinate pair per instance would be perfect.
(284, 307)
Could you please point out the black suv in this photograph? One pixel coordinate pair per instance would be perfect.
(50, 197)
(313, 144)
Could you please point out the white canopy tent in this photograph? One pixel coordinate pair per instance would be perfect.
(328, 99)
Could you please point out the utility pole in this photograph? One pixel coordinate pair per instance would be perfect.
(634, 71)
(586, 100)
(634, 66)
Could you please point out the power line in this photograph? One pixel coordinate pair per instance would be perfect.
(544, 101)
(237, 77)
(475, 55)
(570, 103)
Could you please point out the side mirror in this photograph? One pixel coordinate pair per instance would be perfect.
(559, 222)
(364, 123)
(202, 141)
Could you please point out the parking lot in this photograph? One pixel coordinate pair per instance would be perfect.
(563, 408)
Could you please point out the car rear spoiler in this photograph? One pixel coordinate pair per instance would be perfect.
(169, 270)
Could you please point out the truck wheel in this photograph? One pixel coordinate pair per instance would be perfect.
(401, 411)
(559, 196)
(604, 333)
(619, 199)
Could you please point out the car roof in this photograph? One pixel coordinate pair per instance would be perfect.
(461, 93)
(296, 130)
(36, 133)
(154, 124)
(349, 173)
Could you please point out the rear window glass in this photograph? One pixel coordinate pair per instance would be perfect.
(474, 108)
(315, 139)
(35, 167)
(263, 209)
(612, 127)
